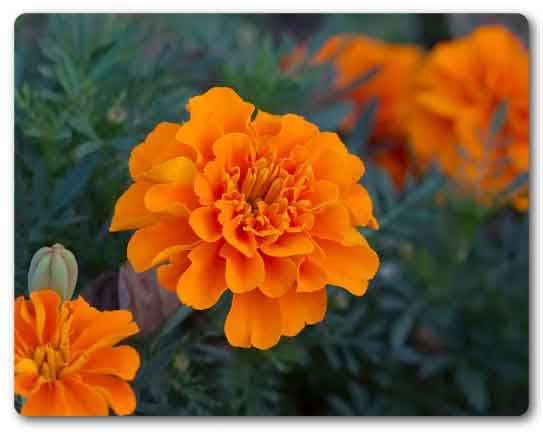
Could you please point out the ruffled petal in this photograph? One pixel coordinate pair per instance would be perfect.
(180, 169)
(168, 274)
(349, 267)
(289, 244)
(244, 241)
(204, 222)
(280, 276)
(298, 309)
(147, 243)
(311, 276)
(159, 146)
(358, 201)
(122, 361)
(222, 106)
(176, 199)
(234, 150)
(253, 320)
(47, 307)
(49, 400)
(130, 210)
(242, 274)
(83, 399)
(202, 284)
(295, 130)
(118, 394)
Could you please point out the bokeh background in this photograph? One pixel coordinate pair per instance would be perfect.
(443, 329)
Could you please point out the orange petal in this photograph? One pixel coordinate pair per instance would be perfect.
(49, 400)
(210, 185)
(168, 274)
(83, 399)
(295, 130)
(243, 241)
(234, 150)
(202, 284)
(311, 276)
(289, 244)
(323, 192)
(358, 201)
(331, 222)
(253, 320)
(242, 274)
(25, 333)
(130, 211)
(180, 169)
(174, 198)
(298, 309)
(266, 124)
(83, 316)
(122, 361)
(221, 105)
(200, 135)
(46, 305)
(204, 222)
(349, 267)
(146, 243)
(280, 276)
(118, 394)
(27, 383)
(106, 329)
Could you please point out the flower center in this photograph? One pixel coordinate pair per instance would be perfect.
(50, 361)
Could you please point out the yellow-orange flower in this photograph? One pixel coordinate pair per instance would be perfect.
(354, 56)
(266, 208)
(66, 363)
(458, 91)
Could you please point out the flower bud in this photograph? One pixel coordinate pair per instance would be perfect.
(53, 268)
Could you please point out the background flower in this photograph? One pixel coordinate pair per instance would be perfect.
(66, 361)
(462, 90)
(257, 207)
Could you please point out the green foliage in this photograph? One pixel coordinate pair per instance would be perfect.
(443, 328)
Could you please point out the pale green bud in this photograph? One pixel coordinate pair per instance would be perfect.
(53, 268)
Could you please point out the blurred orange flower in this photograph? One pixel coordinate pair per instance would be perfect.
(354, 56)
(266, 208)
(66, 363)
(458, 92)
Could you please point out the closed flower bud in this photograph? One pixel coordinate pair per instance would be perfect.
(53, 268)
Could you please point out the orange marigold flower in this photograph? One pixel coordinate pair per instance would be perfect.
(266, 208)
(66, 363)
(354, 56)
(458, 90)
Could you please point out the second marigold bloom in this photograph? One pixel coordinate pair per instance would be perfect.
(266, 208)
(459, 90)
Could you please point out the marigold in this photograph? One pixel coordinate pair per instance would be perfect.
(353, 56)
(266, 208)
(458, 91)
(66, 363)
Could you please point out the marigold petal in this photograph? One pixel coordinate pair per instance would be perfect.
(83, 399)
(46, 305)
(202, 284)
(204, 221)
(280, 276)
(358, 201)
(174, 198)
(234, 150)
(200, 135)
(118, 394)
(289, 244)
(244, 241)
(242, 273)
(295, 130)
(122, 361)
(106, 329)
(49, 400)
(298, 309)
(27, 383)
(130, 210)
(332, 223)
(147, 243)
(25, 333)
(350, 267)
(180, 169)
(311, 276)
(222, 106)
(168, 274)
(209, 185)
(253, 320)
(323, 192)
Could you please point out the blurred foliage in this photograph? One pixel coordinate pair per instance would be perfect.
(443, 329)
